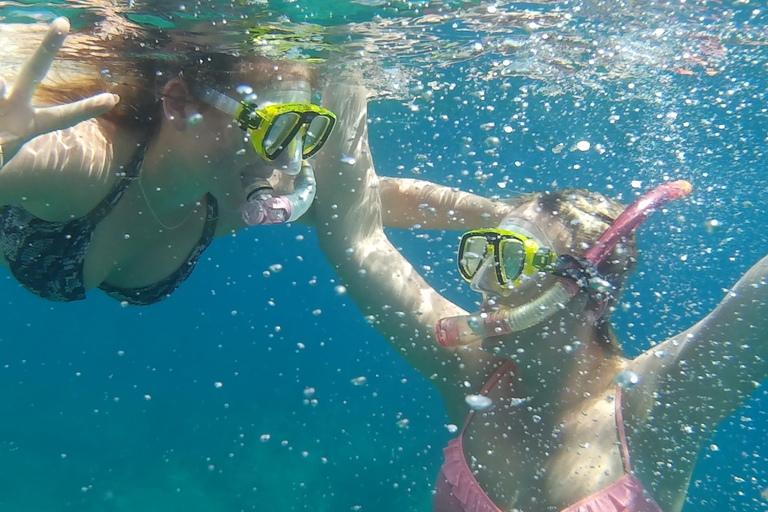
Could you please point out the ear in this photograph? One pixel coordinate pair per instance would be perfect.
(175, 104)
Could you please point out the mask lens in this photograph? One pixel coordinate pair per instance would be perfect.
(316, 134)
(512, 257)
(280, 132)
(474, 251)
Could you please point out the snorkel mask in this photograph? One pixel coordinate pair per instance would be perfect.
(273, 127)
(286, 133)
(581, 273)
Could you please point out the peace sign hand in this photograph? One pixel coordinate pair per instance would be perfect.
(20, 121)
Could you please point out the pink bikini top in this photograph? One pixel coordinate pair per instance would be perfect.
(458, 490)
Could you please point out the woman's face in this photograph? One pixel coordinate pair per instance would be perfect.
(226, 151)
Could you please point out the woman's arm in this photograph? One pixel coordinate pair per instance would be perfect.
(389, 291)
(36, 140)
(21, 122)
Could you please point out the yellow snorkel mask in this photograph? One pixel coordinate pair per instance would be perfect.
(273, 128)
(514, 255)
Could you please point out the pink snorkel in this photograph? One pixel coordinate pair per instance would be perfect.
(264, 208)
(466, 329)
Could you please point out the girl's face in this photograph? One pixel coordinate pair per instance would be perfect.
(547, 233)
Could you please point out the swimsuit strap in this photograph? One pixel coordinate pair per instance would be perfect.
(501, 370)
(622, 434)
(125, 176)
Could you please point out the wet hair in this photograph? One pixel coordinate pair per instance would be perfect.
(137, 67)
(579, 217)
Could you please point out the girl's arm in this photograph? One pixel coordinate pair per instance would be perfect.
(388, 290)
(407, 203)
(696, 379)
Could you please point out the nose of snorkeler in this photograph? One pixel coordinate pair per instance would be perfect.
(289, 160)
(485, 280)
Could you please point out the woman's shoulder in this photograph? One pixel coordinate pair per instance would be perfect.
(62, 174)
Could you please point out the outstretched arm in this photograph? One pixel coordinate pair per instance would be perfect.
(389, 291)
(348, 211)
(407, 203)
(693, 381)
(718, 363)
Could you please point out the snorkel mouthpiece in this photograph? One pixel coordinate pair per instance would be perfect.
(264, 208)
(467, 329)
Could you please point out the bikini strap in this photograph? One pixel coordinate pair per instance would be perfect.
(501, 370)
(622, 434)
(125, 176)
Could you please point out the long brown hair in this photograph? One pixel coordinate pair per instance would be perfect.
(137, 65)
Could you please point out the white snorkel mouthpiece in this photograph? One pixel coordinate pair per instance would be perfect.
(265, 208)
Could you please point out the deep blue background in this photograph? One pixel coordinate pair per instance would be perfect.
(111, 408)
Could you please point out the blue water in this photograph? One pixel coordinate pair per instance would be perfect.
(199, 403)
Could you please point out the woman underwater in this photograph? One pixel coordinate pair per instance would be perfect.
(554, 417)
(187, 147)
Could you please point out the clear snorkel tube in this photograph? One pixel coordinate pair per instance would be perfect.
(467, 329)
(266, 208)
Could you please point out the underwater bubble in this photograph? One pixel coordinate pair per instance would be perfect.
(452, 428)
(309, 392)
(583, 145)
(218, 385)
(626, 379)
(195, 119)
(713, 225)
(244, 89)
(277, 267)
(359, 381)
(478, 402)
(348, 159)
(340, 290)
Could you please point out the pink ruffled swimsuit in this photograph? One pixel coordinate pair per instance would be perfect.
(458, 490)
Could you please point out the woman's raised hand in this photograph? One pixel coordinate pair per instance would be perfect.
(20, 121)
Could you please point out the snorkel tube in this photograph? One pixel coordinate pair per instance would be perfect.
(467, 329)
(265, 208)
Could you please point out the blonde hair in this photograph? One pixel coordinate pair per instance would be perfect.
(581, 217)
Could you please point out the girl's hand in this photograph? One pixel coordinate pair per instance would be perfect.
(20, 121)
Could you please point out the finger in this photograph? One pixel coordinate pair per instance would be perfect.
(64, 116)
(37, 66)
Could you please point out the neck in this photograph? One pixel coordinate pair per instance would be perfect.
(562, 363)
(168, 184)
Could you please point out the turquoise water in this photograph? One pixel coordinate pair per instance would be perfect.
(201, 403)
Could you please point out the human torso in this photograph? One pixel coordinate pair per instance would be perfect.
(525, 457)
(127, 248)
